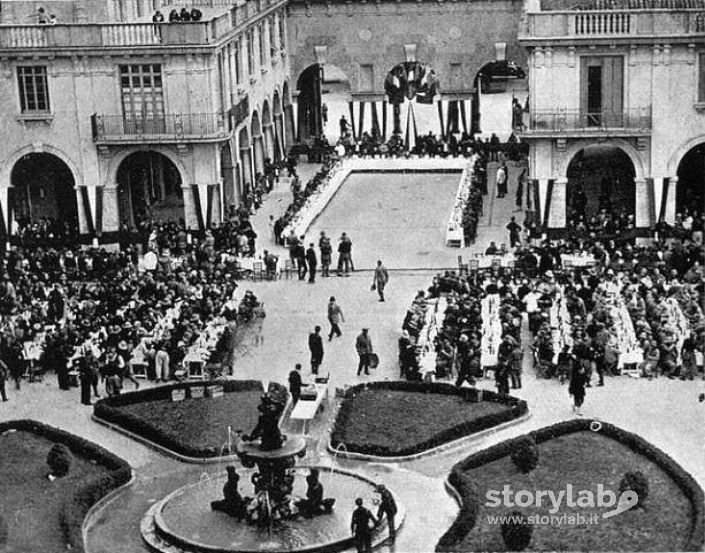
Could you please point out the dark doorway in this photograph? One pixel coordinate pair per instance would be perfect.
(690, 194)
(43, 189)
(309, 103)
(149, 188)
(600, 180)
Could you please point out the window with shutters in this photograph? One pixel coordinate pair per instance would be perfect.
(142, 97)
(34, 89)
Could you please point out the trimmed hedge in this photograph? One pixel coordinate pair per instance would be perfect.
(109, 410)
(517, 409)
(75, 507)
(467, 516)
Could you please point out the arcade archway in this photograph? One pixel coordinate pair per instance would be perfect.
(600, 178)
(43, 188)
(690, 192)
(289, 136)
(496, 85)
(324, 96)
(149, 188)
(245, 160)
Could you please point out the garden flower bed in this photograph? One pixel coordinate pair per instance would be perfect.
(192, 427)
(573, 452)
(37, 514)
(391, 419)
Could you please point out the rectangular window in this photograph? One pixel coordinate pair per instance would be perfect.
(272, 39)
(701, 79)
(282, 32)
(262, 46)
(142, 97)
(250, 53)
(367, 78)
(238, 68)
(34, 89)
(602, 91)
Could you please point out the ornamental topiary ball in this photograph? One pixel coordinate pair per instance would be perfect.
(516, 531)
(635, 481)
(525, 454)
(59, 460)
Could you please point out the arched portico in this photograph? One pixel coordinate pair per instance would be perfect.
(257, 142)
(268, 130)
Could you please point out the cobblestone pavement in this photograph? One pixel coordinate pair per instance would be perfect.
(664, 412)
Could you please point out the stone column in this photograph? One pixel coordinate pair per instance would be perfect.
(642, 208)
(671, 200)
(557, 213)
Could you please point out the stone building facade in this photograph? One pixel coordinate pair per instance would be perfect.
(628, 77)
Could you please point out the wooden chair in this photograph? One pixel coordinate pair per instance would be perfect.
(257, 270)
(496, 264)
(473, 265)
(288, 269)
(464, 269)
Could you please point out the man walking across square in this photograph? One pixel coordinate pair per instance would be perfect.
(381, 277)
(315, 346)
(335, 317)
(363, 345)
(295, 384)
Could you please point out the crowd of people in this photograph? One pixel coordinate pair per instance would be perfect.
(89, 312)
(629, 309)
(175, 16)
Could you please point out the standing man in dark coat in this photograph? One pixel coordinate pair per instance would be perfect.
(514, 229)
(300, 255)
(295, 383)
(326, 254)
(360, 527)
(335, 317)
(312, 263)
(363, 346)
(387, 506)
(315, 346)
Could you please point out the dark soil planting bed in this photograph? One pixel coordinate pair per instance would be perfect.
(670, 519)
(403, 418)
(194, 427)
(38, 514)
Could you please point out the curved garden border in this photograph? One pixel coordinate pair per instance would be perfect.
(462, 487)
(518, 408)
(76, 506)
(106, 412)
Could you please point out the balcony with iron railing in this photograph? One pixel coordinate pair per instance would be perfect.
(563, 123)
(86, 36)
(159, 129)
(592, 25)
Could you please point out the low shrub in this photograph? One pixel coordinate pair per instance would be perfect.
(638, 483)
(467, 516)
(76, 506)
(59, 460)
(526, 454)
(516, 531)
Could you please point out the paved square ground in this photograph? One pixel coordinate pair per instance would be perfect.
(400, 218)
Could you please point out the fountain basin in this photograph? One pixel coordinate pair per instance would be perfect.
(184, 522)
